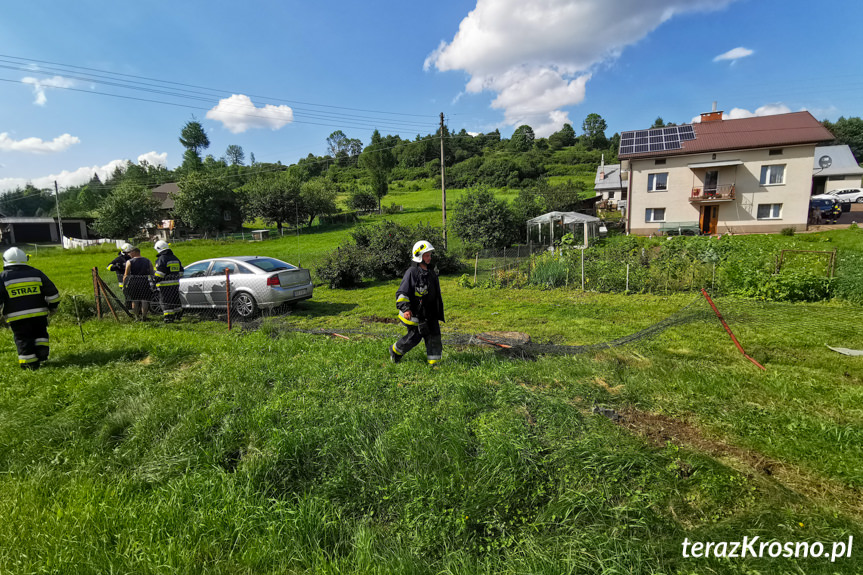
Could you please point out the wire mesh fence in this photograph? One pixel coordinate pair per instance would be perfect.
(223, 293)
(646, 270)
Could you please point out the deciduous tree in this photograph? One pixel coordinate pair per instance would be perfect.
(594, 131)
(202, 202)
(377, 159)
(235, 155)
(481, 219)
(522, 139)
(125, 211)
(318, 197)
(275, 198)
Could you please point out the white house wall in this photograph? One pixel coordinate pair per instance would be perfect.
(738, 215)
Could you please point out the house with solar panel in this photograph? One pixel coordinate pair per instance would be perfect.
(750, 175)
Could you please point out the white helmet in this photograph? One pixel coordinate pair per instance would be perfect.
(127, 247)
(161, 246)
(420, 248)
(14, 256)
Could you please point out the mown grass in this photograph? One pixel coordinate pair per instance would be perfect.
(161, 449)
(188, 448)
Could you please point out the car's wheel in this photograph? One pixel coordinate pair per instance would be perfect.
(860, 200)
(244, 306)
(156, 304)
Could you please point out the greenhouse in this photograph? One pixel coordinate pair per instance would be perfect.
(551, 227)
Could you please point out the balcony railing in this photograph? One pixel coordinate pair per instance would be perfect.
(724, 193)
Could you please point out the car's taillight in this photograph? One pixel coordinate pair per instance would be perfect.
(273, 281)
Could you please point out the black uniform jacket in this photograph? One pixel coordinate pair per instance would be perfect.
(169, 270)
(419, 292)
(118, 266)
(27, 293)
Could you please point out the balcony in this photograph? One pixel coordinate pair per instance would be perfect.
(724, 193)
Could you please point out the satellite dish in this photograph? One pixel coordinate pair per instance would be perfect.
(825, 162)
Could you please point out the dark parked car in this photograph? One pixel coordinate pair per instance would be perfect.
(827, 206)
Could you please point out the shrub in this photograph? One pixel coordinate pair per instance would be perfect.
(363, 200)
(382, 252)
(787, 231)
(341, 269)
(480, 218)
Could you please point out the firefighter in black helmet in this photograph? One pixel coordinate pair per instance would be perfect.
(169, 270)
(27, 297)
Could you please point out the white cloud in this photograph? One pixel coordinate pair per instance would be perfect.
(735, 54)
(39, 85)
(37, 145)
(766, 110)
(538, 55)
(238, 114)
(77, 177)
(154, 158)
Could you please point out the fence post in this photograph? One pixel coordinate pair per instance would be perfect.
(627, 278)
(96, 293)
(504, 258)
(582, 270)
(228, 294)
(475, 264)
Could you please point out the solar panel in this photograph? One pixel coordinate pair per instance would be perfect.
(655, 139)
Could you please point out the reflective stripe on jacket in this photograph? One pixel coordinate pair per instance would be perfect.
(169, 270)
(26, 292)
(419, 292)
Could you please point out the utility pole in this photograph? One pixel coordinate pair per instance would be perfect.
(57, 203)
(443, 179)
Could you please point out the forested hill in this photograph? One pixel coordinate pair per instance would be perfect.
(356, 176)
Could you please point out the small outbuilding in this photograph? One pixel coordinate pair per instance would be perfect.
(547, 228)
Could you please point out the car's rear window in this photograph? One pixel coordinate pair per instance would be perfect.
(270, 264)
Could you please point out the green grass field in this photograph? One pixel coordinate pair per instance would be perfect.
(192, 449)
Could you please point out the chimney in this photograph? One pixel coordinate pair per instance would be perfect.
(712, 116)
(602, 168)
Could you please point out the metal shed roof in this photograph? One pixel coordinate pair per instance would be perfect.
(566, 217)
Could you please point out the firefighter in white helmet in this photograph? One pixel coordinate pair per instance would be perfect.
(27, 297)
(118, 266)
(169, 270)
(420, 306)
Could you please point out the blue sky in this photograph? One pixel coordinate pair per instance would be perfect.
(278, 77)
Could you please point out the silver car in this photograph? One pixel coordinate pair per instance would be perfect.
(257, 282)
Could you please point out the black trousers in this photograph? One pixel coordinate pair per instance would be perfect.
(434, 346)
(31, 339)
(169, 297)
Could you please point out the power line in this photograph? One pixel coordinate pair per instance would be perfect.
(179, 89)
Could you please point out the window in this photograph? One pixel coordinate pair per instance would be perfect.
(611, 194)
(771, 175)
(196, 270)
(660, 162)
(836, 178)
(654, 215)
(657, 182)
(270, 264)
(769, 211)
(220, 266)
(776, 152)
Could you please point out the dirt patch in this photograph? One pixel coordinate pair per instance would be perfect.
(378, 319)
(660, 429)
